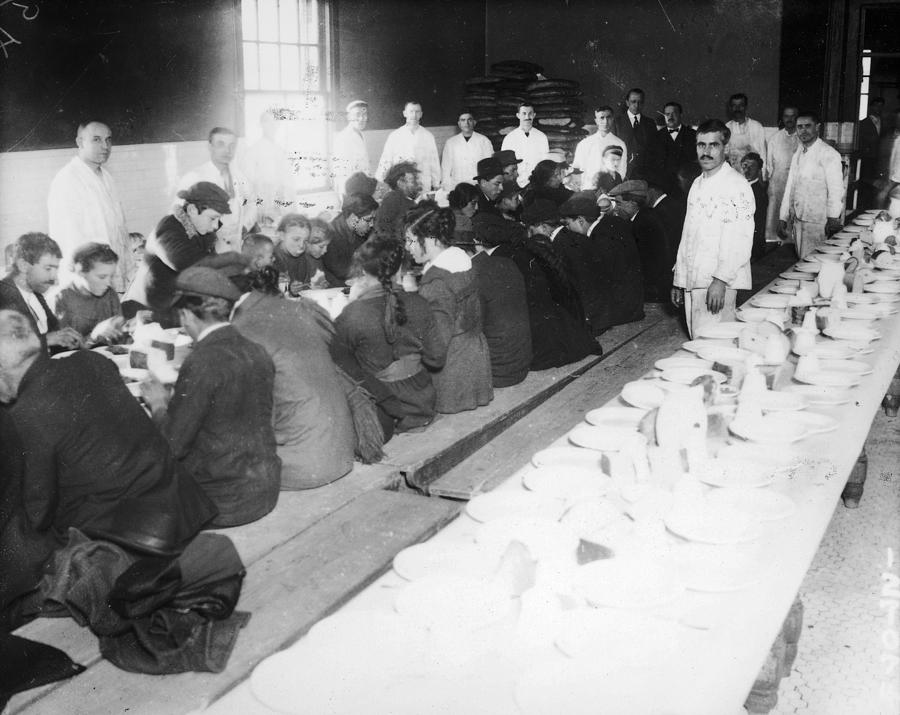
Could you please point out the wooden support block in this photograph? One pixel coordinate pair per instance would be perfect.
(287, 591)
(763, 696)
(793, 627)
(853, 490)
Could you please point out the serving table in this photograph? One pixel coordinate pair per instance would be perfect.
(692, 650)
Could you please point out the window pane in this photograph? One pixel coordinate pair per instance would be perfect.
(268, 20)
(311, 70)
(248, 19)
(864, 106)
(867, 66)
(251, 66)
(290, 68)
(269, 74)
(289, 22)
(864, 87)
(309, 21)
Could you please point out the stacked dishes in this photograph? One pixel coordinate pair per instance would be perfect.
(559, 111)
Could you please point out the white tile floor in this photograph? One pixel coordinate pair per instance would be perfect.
(848, 661)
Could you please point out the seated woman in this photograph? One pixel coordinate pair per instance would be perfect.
(449, 284)
(546, 182)
(89, 304)
(464, 202)
(390, 335)
(349, 231)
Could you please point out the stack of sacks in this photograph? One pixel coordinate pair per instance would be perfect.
(559, 110)
(495, 98)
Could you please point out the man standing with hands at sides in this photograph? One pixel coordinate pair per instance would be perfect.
(412, 143)
(350, 153)
(222, 171)
(814, 195)
(746, 134)
(528, 143)
(463, 151)
(640, 136)
(714, 256)
(590, 150)
(781, 148)
(84, 206)
(679, 145)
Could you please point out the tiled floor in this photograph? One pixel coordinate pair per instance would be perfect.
(848, 662)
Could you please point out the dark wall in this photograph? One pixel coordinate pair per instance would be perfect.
(389, 51)
(804, 54)
(695, 51)
(154, 70)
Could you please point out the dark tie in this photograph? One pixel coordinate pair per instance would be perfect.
(635, 121)
(674, 130)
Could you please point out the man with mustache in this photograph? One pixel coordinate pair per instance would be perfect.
(746, 134)
(814, 195)
(714, 255)
(83, 203)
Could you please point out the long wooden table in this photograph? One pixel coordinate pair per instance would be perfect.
(716, 665)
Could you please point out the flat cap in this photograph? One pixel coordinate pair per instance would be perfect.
(204, 281)
(360, 183)
(205, 193)
(541, 211)
(632, 186)
(612, 149)
(581, 204)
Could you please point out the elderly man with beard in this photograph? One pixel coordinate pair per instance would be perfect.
(714, 255)
(814, 194)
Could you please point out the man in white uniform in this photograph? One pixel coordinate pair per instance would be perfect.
(814, 195)
(714, 256)
(224, 173)
(269, 171)
(350, 153)
(84, 206)
(746, 134)
(529, 144)
(463, 151)
(781, 148)
(412, 142)
(589, 152)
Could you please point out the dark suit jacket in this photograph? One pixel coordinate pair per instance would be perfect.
(676, 152)
(644, 160)
(219, 425)
(869, 138)
(761, 195)
(504, 308)
(389, 216)
(671, 211)
(656, 261)
(11, 299)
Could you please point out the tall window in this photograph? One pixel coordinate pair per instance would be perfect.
(286, 48)
(864, 84)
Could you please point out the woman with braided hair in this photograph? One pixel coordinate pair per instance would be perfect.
(463, 380)
(385, 338)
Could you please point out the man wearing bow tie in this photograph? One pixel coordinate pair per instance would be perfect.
(639, 134)
(679, 144)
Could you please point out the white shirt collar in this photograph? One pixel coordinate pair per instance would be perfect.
(237, 304)
(591, 227)
(656, 203)
(210, 329)
(555, 232)
(452, 260)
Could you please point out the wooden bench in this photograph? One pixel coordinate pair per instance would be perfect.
(452, 438)
(296, 513)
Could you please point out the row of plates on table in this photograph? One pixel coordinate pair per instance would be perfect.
(731, 330)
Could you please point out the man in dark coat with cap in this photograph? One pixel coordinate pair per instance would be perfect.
(87, 456)
(219, 419)
(510, 164)
(490, 185)
(604, 261)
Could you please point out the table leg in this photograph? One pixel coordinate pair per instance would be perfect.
(763, 696)
(854, 488)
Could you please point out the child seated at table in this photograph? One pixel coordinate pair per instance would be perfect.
(260, 249)
(89, 304)
(298, 255)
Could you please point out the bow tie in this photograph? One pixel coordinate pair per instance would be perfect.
(674, 130)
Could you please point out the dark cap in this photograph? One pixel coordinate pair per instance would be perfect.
(541, 211)
(581, 204)
(612, 149)
(637, 187)
(488, 169)
(507, 157)
(230, 263)
(205, 193)
(359, 183)
(510, 188)
(204, 281)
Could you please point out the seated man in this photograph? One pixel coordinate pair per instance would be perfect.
(35, 266)
(403, 178)
(219, 419)
(88, 455)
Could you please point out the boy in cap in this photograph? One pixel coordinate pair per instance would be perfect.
(609, 175)
(218, 419)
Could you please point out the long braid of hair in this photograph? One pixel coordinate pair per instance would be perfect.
(391, 256)
(562, 288)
